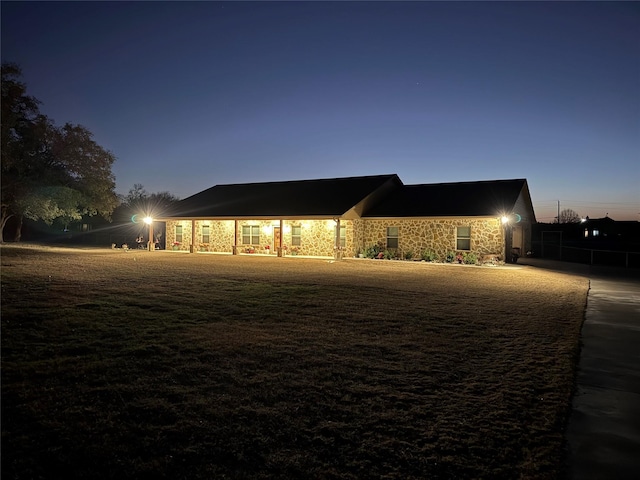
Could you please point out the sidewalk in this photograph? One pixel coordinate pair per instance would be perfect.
(603, 434)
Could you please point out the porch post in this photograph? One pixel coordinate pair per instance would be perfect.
(507, 243)
(280, 240)
(337, 249)
(151, 244)
(192, 248)
(235, 237)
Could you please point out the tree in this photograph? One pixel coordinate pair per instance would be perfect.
(48, 172)
(568, 216)
(140, 202)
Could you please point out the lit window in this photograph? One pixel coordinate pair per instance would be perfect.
(250, 234)
(463, 238)
(296, 235)
(179, 233)
(586, 233)
(206, 232)
(596, 233)
(343, 235)
(392, 237)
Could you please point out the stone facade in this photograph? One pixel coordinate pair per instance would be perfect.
(317, 237)
(437, 235)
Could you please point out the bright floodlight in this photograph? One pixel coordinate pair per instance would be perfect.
(504, 219)
(148, 220)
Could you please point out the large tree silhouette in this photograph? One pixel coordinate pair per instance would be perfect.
(48, 172)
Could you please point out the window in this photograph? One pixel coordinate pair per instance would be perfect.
(178, 233)
(596, 232)
(206, 232)
(250, 234)
(392, 237)
(343, 236)
(463, 238)
(296, 235)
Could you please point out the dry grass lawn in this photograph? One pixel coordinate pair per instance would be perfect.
(166, 365)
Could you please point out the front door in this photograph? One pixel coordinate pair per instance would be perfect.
(276, 238)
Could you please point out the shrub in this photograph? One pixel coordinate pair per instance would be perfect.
(371, 252)
(451, 256)
(374, 250)
(408, 255)
(470, 258)
(429, 256)
(390, 253)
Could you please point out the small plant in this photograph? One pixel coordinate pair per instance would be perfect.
(389, 253)
(429, 256)
(374, 251)
(451, 256)
(408, 255)
(470, 258)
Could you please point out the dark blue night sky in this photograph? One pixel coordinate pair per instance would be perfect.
(192, 94)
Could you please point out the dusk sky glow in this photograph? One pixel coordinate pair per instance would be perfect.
(188, 95)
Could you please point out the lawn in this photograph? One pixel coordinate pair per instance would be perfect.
(167, 365)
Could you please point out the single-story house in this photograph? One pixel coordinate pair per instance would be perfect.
(344, 216)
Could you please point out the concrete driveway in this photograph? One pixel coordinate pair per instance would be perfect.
(603, 433)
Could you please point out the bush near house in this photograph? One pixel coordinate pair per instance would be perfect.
(429, 256)
(260, 367)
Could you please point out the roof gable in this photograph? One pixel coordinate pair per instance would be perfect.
(485, 198)
(300, 198)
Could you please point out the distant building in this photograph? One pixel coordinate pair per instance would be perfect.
(594, 240)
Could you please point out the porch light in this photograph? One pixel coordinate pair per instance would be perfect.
(287, 228)
(267, 229)
(505, 219)
(148, 220)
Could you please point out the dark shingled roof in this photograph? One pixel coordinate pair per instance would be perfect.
(323, 197)
(485, 198)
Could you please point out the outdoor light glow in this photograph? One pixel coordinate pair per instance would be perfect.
(148, 220)
(505, 219)
(267, 229)
(287, 228)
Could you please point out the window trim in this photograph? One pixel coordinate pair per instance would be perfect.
(296, 238)
(395, 237)
(460, 238)
(251, 236)
(206, 237)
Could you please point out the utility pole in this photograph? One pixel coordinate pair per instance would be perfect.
(558, 217)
